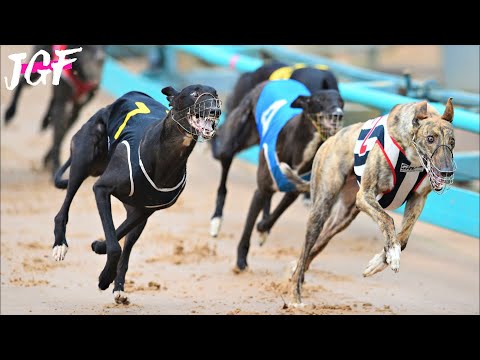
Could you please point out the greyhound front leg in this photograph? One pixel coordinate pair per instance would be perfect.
(118, 291)
(413, 209)
(102, 196)
(216, 220)
(134, 218)
(366, 201)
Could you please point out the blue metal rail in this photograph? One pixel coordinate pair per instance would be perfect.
(428, 89)
(465, 120)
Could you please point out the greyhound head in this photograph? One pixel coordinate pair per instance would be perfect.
(434, 140)
(89, 64)
(324, 108)
(196, 107)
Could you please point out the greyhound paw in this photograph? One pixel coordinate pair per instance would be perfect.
(296, 305)
(9, 114)
(263, 237)
(377, 264)
(120, 297)
(238, 270)
(307, 202)
(59, 252)
(393, 257)
(215, 225)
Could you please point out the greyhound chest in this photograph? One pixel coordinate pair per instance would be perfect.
(131, 116)
(406, 179)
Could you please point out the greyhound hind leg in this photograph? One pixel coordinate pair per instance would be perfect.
(12, 109)
(265, 215)
(88, 149)
(258, 202)
(216, 220)
(132, 237)
(327, 185)
(343, 213)
(48, 116)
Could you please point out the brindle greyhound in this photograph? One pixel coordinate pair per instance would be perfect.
(140, 150)
(232, 138)
(76, 88)
(393, 155)
(288, 134)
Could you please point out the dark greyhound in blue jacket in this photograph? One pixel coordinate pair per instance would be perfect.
(76, 88)
(292, 123)
(231, 138)
(139, 149)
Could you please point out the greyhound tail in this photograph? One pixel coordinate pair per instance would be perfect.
(300, 184)
(59, 182)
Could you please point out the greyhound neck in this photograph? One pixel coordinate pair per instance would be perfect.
(165, 152)
(306, 127)
(403, 136)
(304, 137)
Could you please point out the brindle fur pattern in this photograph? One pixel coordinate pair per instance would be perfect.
(337, 199)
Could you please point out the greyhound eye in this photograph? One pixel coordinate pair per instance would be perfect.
(430, 139)
(452, 142)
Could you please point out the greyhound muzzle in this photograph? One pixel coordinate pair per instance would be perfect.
(328, 124)
(440, 179)
(203, 116)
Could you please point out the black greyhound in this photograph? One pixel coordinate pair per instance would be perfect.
(232, 139)
(76, 88)
(287, 135)
(140, 150)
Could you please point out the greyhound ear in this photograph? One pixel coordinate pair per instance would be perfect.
(171, 93)
(300, 102)
(448, 114)
(420, 112)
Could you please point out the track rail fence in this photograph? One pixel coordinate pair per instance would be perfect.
(457, 209)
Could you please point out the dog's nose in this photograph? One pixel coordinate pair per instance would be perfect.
(446, 173)
(215, 112)
(338, 112)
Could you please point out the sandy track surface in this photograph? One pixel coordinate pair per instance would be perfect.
(176, 268)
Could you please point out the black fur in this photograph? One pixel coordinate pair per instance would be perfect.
(292, 141)
(164, 155)
(233, 138)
